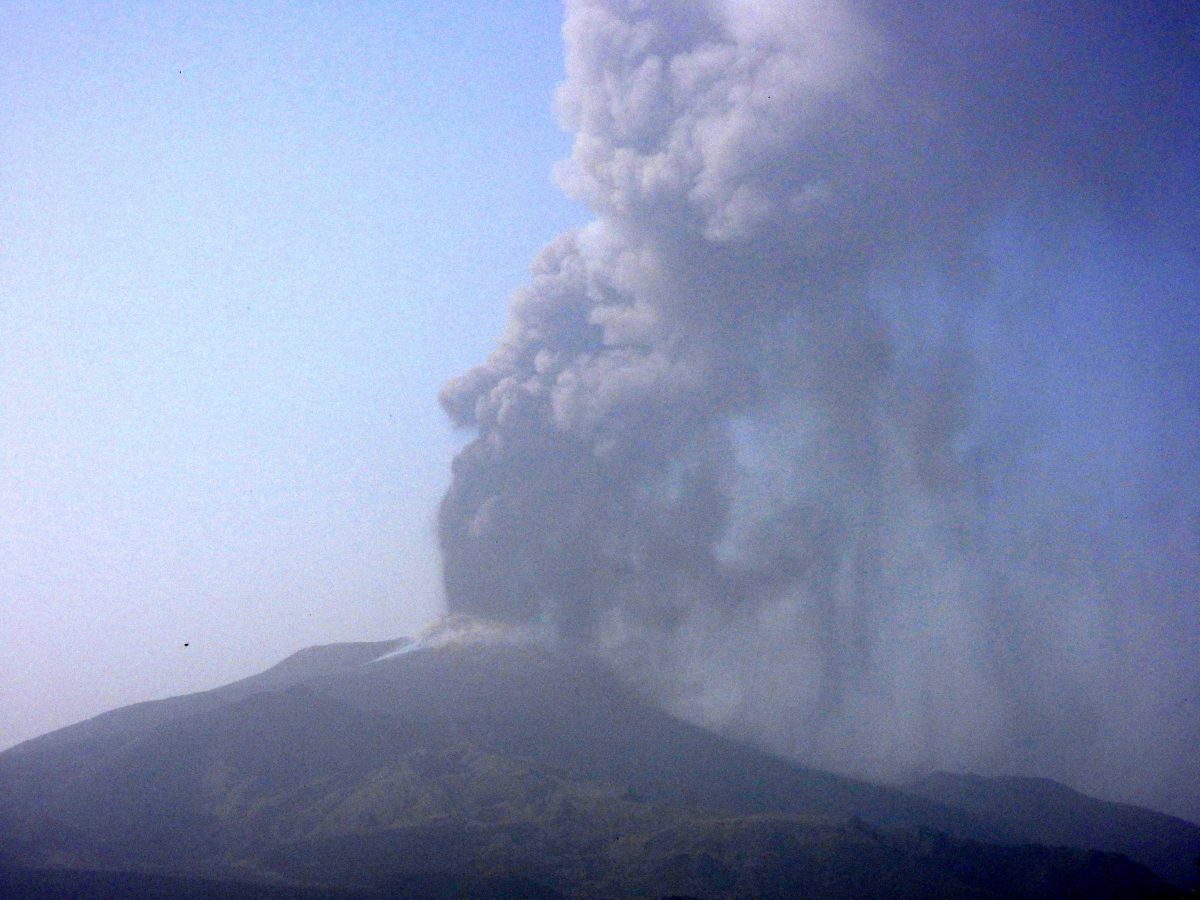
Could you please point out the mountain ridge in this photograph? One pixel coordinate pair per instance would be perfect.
(491, 758)
(295, 668)
(1049, 812)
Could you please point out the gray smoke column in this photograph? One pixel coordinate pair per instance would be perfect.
(738, 434)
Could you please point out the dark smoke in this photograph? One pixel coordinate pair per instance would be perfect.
(746, 433)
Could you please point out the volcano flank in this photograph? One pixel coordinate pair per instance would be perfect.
(471, 763)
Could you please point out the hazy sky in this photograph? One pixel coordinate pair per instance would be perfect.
(241, 248)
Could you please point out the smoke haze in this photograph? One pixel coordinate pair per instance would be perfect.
(861, 420)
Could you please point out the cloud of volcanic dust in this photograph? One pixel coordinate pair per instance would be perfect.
(766, 431)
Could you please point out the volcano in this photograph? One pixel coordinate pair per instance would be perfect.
(474, 763)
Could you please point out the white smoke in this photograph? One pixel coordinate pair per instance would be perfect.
(462, 631)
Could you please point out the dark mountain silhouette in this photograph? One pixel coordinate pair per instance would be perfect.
(114, 727)
(1050, 813)
(488, 768)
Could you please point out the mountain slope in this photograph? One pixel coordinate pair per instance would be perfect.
(110, 728)
(1050, 813)
(360, 768)
(572, 714)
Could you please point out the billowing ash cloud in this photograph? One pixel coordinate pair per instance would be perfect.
(745, 433)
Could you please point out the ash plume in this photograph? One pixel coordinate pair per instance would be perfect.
(756, 432)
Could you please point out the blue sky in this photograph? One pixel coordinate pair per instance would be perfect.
(241, 248)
